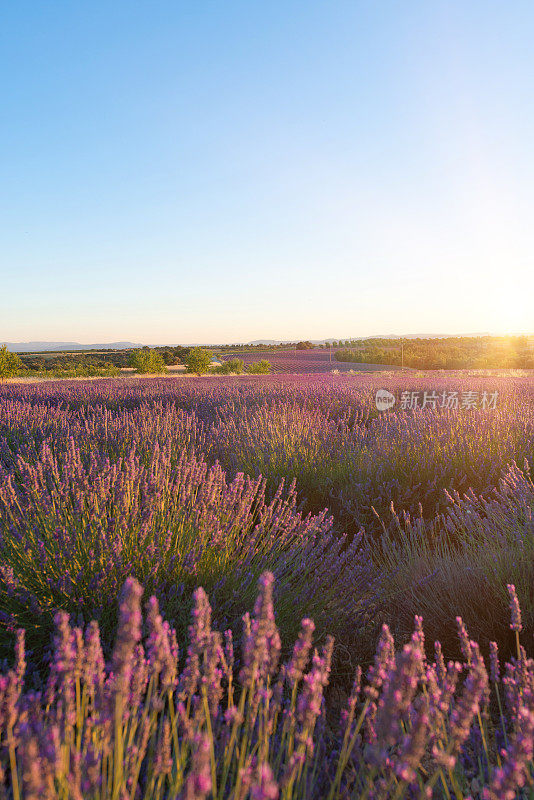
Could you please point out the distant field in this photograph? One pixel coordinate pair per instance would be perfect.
(304, 361)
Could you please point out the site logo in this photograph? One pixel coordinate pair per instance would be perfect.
(384, 400)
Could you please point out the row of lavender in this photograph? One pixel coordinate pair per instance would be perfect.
(325, 432)
(208, 723)
(100, 481)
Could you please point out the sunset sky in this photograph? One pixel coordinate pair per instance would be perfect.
(225, 171)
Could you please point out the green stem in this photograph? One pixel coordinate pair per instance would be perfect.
(13, 765)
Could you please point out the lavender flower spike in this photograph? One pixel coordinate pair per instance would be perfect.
(198, 784)
(264, 787)
(515, 611)
(128, 634)
(495, 672)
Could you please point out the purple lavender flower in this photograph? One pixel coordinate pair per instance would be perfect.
(199, 638)
(515, 611)
(301, 652)
(310, 700)
(511, 776)
(465, 643)
(159, 647)
(384, 658)
(261, 645)
(441, 669)
(34, 779)
(93, 670)
(494, 663)
(128, 634)
(469, 702)
(20, 661)
(400, 685)
(228, 653)
(60, 686)
(163, 759)
(414, 744)
(347, 714)
(264, 787)
(198, 783)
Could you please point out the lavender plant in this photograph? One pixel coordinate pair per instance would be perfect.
(77, 525)
(163, 720)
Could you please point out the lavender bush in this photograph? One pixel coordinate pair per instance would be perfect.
(76, 527)
(461, 561)
(212, 722)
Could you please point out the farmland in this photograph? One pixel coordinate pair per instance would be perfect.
(316, 361)
(299, 489)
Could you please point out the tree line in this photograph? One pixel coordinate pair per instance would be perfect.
(144, 360)
(482, 352)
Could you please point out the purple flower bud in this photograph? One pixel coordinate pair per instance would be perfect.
(494, 663)
(20, 662)
(384, 658)
(414, 744)
(261, 645)
(441, 669)
(264, 787)
(400, 685)
(159, 646)
(198, 782)
(515, 611)
(128, 634)
(301, 652)
(465, 644)
(469, 702)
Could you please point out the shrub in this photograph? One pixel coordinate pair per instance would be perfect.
(460, 563)
(219, 369)
(10, 363)
(75, 527)
(234, 365)
(147, 361)
(198, 360)
(282, 438)
(262, 367)
(73, 370)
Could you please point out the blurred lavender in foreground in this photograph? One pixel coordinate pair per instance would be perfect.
(151, 726)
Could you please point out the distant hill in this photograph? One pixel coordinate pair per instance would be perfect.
(39, 347)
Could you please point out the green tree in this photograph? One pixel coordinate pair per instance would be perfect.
(10, 363)
(262, 367)
(234, 365)
(168, 356)
(146, 360)
(198, 360)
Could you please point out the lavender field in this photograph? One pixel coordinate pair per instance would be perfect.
(407, 536)
(298, 362)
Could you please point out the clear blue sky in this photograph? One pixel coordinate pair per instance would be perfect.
(224, 171)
